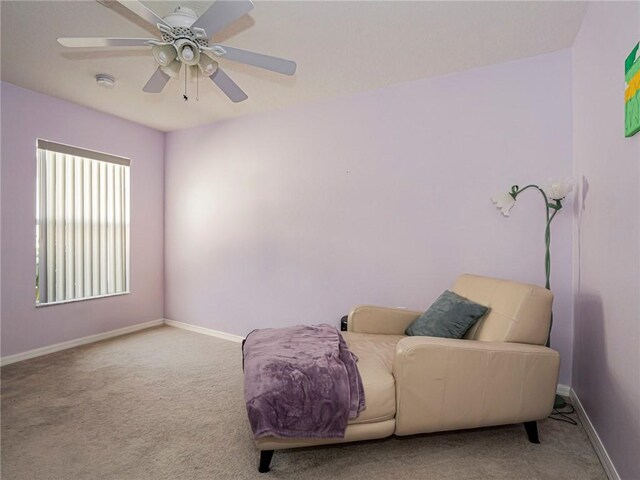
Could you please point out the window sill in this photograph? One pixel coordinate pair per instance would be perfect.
(61, 302)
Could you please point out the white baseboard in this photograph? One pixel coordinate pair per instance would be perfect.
(563, 390)
(203, 330)
(37, 352)
(604, 457)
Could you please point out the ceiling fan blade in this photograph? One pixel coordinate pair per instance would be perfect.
(157, 82)
(104, 42)
(143, 12)
(275, 64)
(221, 14)
(228, 86)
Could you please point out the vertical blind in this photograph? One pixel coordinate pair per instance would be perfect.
(82, 223)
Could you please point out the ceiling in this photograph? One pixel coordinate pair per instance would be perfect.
(340, 47)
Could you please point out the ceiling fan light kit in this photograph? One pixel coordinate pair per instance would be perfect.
(185, 41)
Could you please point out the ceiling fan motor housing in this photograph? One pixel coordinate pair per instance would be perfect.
(181, 17)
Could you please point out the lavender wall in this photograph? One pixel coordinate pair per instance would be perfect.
(27, 115)
(606, 373)
(380, 198)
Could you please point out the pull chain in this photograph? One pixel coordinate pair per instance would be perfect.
(186, 72)
(197, 85)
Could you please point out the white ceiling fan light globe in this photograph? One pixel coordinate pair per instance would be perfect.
(207, 65)
(188, 52)
(208, 70)
(164, 54)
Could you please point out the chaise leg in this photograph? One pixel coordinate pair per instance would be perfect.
(532, 431)
(265, 460)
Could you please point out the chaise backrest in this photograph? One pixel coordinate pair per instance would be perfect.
(519, 312)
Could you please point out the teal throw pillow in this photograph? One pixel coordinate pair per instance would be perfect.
(450, 316)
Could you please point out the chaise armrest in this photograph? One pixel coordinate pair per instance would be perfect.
(380, 320)
(450, 384)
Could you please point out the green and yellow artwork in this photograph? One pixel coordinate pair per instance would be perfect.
(632, 93)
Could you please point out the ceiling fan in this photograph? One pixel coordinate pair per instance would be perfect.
(185, 40)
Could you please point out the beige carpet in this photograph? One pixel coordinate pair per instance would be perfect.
(166, 403)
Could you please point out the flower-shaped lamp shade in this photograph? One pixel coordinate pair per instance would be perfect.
(557, 189)
(504, 201)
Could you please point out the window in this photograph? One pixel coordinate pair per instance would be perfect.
(82, 224)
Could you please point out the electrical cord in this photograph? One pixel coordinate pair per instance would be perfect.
(561, 415)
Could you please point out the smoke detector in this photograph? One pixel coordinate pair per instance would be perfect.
(105, 80)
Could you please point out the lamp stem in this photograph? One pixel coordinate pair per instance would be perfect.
(547, 255)
(515, 191)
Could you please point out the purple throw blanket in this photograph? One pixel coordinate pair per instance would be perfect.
(300, 382)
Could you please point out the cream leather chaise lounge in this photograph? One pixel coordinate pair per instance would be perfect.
(500, 373)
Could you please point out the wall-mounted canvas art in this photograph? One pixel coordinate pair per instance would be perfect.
(632, 93)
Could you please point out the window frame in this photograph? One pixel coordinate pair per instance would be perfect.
(94, 155)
